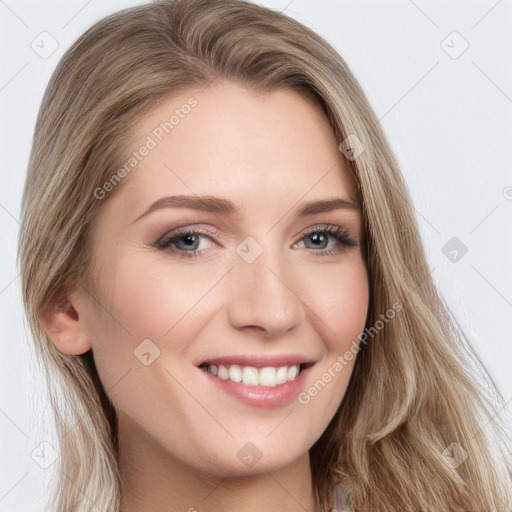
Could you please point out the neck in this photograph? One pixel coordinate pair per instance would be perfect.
(154, 480)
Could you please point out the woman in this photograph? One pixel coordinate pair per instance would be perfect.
(301, 347)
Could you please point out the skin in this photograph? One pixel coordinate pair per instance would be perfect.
(268, 153)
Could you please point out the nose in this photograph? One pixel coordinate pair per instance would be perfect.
(265, 295)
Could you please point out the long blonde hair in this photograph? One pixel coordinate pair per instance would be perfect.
(413, 394)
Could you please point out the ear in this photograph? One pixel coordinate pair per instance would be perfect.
(65, 327)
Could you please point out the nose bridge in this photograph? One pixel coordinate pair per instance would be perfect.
(263, 292)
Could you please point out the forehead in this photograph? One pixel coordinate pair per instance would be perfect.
(233, 141)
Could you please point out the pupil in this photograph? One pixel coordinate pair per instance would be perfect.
(316, 237)
(188, 240)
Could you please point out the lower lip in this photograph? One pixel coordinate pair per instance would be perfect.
(264, 397)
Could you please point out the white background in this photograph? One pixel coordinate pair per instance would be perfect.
(449, 121)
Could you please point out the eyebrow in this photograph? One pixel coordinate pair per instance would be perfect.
(226, 207)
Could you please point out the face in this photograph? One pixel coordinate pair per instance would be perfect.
(261, 274)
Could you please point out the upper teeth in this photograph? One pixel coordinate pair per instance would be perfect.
(251, 376)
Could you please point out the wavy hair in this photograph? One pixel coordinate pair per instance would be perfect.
(414, 392)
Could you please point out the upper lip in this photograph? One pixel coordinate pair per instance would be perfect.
(260, 360)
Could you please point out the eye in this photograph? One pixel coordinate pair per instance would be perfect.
(318, 238)
(183, 240)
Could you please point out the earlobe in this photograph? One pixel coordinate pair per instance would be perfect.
(65, 328)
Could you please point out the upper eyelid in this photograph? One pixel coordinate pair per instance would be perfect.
(215, 231)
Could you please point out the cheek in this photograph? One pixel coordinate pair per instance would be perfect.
(338, 300)
(156, 300)
(338, 311)
(151, 298)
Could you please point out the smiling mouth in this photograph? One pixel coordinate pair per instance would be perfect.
(268, 376)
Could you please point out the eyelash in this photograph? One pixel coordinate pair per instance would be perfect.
(337, 232)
